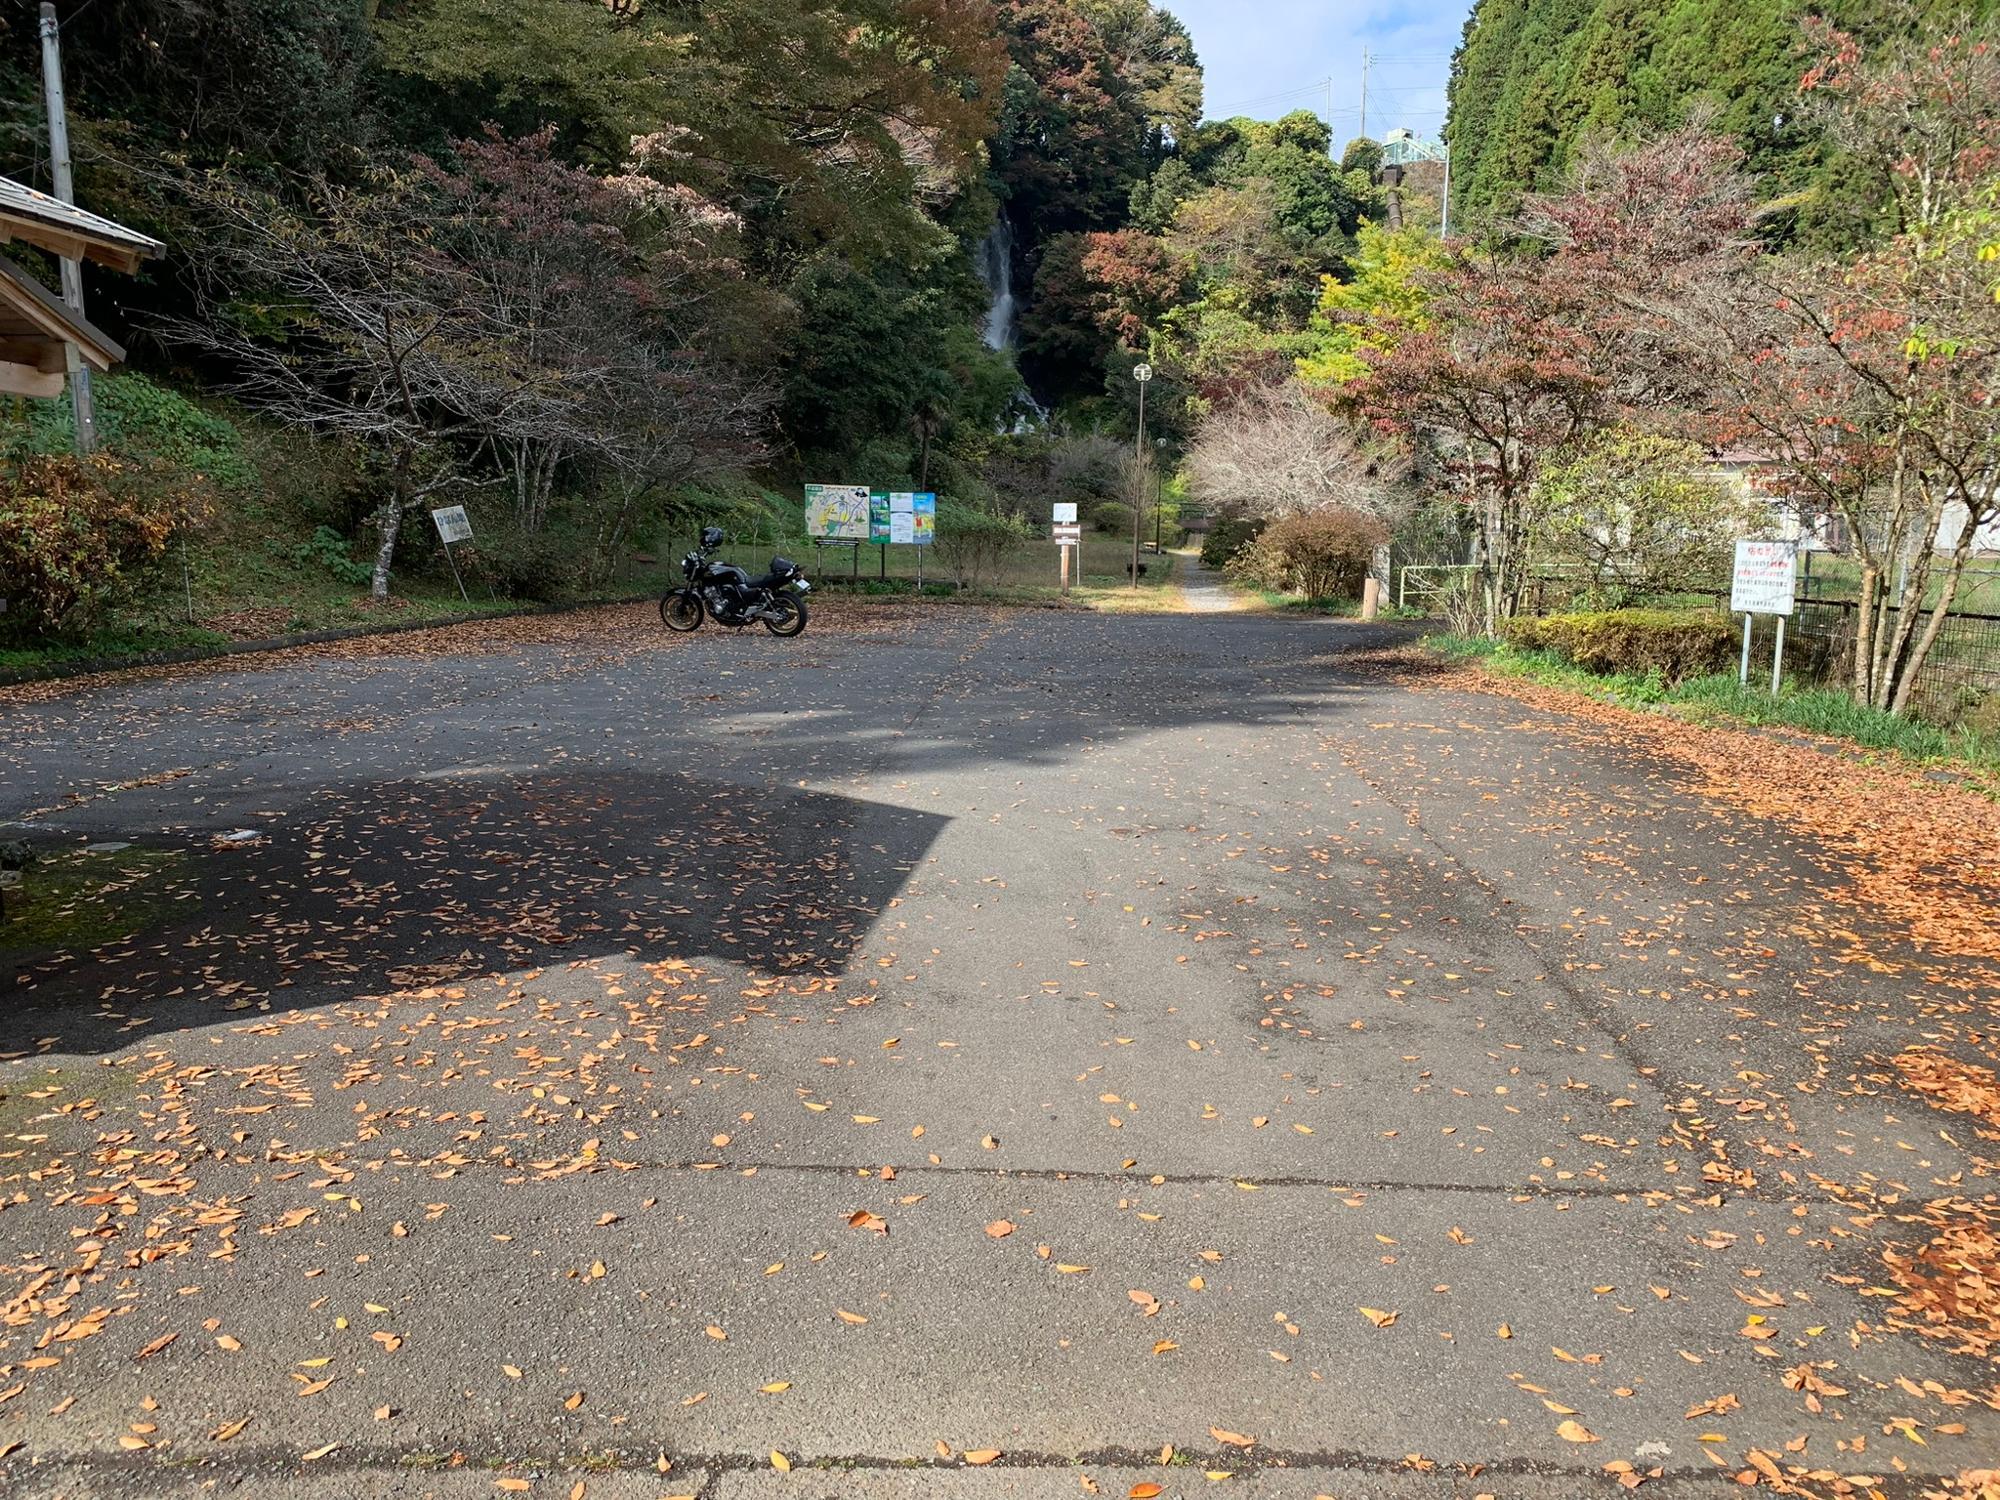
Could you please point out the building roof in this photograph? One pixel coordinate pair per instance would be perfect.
(66, 230)
(34, 327)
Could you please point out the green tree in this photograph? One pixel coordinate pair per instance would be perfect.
(1385, 296)
(1630, 516)
(888, 350)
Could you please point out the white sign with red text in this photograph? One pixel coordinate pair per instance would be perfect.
(1767, 578)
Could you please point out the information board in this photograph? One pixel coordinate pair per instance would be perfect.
(855, 513)
(1766, 580)
(838, 512)
(453, 524)
(1066, 513)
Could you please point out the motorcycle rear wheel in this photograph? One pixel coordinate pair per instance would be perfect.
(792, 616)
(681, 611)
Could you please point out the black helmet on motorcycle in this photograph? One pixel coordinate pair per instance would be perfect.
(711, 536)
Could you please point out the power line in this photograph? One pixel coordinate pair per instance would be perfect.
(1311, 88)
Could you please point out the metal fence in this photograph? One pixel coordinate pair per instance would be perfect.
(1961, 672)
(1430, 588)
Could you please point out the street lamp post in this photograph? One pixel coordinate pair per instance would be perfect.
(1144, 375)
(1159, 492)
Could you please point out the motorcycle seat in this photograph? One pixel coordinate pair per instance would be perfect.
(780, 570)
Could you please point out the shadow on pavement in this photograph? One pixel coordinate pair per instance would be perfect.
(409, 883)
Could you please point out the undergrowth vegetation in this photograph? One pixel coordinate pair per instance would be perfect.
(1719, 697)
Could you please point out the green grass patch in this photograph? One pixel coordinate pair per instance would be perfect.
(1722, 699)
(77, 901)
(1292, 604)
(132, 640)
(29, 1099)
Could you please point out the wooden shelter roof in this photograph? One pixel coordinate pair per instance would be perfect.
(66, 230)
(34, 327)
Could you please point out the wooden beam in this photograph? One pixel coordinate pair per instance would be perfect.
(24, 380)
(39, 354)
(55, 241)
(69, 246)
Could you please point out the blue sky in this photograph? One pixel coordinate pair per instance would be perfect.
(1253, 50)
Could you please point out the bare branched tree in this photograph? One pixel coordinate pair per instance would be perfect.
(1279, 451)
(1867, 384)
(326, 315)
(500, 312)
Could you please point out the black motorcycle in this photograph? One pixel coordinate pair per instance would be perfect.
(728, 595)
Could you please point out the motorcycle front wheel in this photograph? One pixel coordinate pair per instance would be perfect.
(790, 616)
(681, 611)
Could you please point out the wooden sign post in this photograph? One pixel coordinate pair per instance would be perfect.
(1068, 536)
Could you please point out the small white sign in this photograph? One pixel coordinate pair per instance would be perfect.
(1066, 513)
(1069, 536)
(453, 524)
(1767, 578)
(902, 527)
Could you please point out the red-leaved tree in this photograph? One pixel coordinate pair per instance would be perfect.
(1868, 384)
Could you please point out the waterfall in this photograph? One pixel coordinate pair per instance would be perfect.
(996, 270)
(995, 260)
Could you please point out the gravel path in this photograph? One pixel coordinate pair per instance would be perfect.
(1205, 590)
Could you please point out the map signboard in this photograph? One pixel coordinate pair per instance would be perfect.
(1766, 580)
(855, 513)
(1066, 513)
(838, 512)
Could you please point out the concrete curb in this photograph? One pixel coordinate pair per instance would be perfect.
(94, 666)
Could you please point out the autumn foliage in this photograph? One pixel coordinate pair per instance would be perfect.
(76, 534)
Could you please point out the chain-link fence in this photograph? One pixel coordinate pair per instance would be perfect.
(1961, 672)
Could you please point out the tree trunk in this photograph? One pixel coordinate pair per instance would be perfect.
(1864, 621)
(1934, 626)
(1897, 664)
(390, 522)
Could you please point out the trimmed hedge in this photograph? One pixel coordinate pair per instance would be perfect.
(1639, 642)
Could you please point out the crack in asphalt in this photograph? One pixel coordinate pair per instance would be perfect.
(1523, 1192)
(715, 1466)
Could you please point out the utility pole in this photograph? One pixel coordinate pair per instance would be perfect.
(1364, 93)
(1144, 375)
(72, 270)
